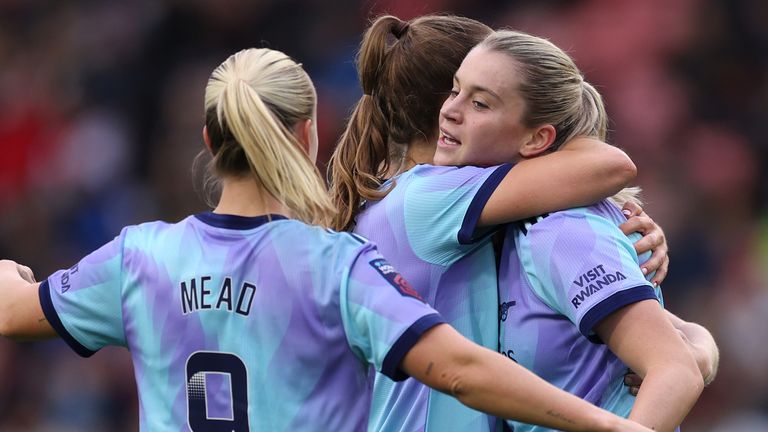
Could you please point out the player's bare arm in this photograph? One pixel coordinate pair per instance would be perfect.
(702, 345)
(582, 172)
(487, 381)
(654, 350)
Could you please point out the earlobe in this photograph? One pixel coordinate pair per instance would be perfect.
(306, 135)
(303, 134)
(207, 139)
(541, 139)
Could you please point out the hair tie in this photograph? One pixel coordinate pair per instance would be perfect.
(400, 29)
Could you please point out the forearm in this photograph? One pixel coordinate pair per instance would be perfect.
(489, 382)
(666, 396)
(610, 169)
(582, 173)
(525, 397)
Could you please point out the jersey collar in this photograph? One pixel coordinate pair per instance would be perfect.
(236, 222)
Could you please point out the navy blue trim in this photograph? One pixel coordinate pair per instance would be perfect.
(391, 365)
(610, 305)
(236, 222)
(53, 318)
(468, 226)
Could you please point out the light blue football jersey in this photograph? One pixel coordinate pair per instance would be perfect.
(560, 275)
(427, 226)
(242, 323)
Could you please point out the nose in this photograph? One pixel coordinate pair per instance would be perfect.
(450, 111)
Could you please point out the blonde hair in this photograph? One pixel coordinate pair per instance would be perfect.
(252, 101)
(555, 92)
(630, 194)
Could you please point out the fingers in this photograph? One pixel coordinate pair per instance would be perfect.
(11, 268)
(661, 273)
(633, 381)
(26, 273)
(631, 209)
(641, 223)
(652, 241)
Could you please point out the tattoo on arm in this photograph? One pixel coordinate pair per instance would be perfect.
(560, 416)
(429, 368)
(42, 320)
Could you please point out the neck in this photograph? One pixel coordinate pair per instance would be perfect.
(245, 196)
(418, 151)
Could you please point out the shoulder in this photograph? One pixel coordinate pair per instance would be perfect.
(313, 240)
(426, 170)
(148, 232)
(430, 178)
(601, 216)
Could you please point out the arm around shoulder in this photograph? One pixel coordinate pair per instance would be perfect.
(584, 171)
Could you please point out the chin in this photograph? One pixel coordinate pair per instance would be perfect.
(444, 160)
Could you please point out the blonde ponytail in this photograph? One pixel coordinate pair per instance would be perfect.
(252, 102)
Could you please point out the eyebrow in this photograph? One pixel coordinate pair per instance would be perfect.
(477, 88)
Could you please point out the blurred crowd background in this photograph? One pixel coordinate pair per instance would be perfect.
(101, 114)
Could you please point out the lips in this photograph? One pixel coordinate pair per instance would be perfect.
(448, 139)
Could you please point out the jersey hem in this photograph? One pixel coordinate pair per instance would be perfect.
(391, 365)
(609, 305)
(52, 316)
(469, 224)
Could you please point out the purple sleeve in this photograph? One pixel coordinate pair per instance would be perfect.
(383, 315)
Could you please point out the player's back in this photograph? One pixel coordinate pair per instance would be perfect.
(242, 323)
(427, 227)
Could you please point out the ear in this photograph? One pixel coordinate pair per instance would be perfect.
(207, 139)
(541, 139)
(303, 133)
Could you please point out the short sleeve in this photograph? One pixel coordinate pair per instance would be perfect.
(383, 315)
(442, 211)
(83, 303)
(583, 266)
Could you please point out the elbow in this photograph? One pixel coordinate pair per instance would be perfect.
(708, 366)
(623, 170)
(690, 377)
(457, 387)
(461, 381)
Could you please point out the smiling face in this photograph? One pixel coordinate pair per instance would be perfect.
(481, 121)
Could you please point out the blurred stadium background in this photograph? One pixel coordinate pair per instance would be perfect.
(101, 112)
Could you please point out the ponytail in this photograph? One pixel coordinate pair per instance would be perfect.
(405, 70)
(252, 101)
(362, 156)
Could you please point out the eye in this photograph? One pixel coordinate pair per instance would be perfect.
(453, 93)
(479, 105)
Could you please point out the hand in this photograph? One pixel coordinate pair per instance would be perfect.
(633, 381)
(653, 240)
(12, 269)
(26, 273)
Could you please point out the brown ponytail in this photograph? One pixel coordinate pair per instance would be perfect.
(405, 71)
